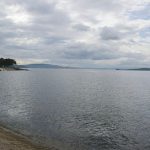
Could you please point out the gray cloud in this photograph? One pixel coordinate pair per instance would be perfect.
(104, 5)
(80, 51)
(109, 33)
(81, 27)
(66, 31)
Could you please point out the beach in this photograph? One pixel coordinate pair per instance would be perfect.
(12, 141)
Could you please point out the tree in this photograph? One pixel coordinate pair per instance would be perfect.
(7, 62)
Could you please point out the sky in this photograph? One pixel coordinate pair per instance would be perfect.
(81, 33)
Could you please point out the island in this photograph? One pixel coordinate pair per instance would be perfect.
(9, 65)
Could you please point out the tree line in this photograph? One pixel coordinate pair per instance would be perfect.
(7, 62)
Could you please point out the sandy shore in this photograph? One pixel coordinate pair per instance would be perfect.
(13, 141)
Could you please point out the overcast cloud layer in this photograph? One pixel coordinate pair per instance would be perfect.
(85, 33)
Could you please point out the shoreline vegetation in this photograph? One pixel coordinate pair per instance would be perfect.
(10, 140)
(9, 65)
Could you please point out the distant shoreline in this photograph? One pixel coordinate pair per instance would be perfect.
(136, 69)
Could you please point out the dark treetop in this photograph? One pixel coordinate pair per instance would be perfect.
(7, 62)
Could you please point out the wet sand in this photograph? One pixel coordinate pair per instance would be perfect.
(12, 141)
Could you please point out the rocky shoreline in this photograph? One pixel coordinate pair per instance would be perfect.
(12, 69)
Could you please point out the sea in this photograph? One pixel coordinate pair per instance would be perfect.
(78, 109)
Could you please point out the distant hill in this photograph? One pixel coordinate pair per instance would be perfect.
(50, 66)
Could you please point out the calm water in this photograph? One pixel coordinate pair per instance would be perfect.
(78, 109)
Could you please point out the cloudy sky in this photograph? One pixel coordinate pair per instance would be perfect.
(85, 33)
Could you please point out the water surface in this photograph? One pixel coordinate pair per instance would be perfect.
(78, 109)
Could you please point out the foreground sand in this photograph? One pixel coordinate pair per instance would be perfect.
(12, 141)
